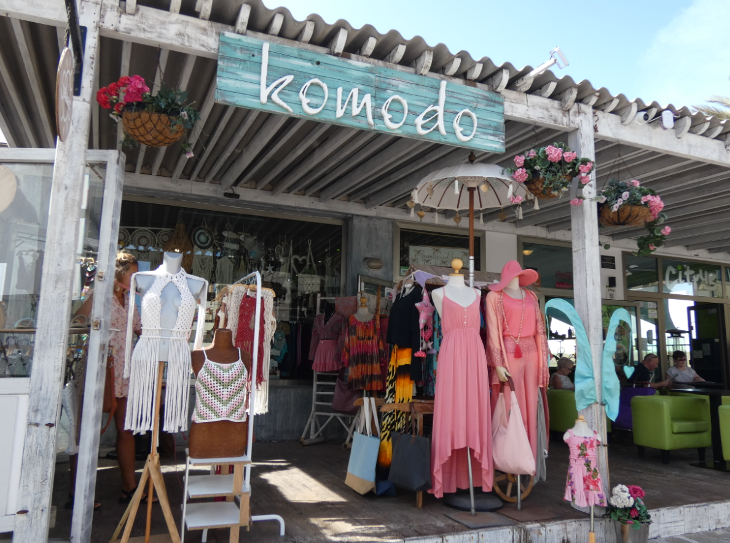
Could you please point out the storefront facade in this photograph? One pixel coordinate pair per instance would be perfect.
(313, 203)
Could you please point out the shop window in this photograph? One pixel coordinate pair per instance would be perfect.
(641, 273)
(649, 340)
(626, 336)
(299, 260)
(553, 263)
(23, 224)
(691, 278)
(435, 249)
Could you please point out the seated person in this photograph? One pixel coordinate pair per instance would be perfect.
(560, 379)
(681, 372)
(644, 373)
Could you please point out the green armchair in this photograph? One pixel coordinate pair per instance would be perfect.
(724, 412)
(563, 413)
(669, 423)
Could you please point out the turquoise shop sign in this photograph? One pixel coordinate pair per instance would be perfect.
(277, 78)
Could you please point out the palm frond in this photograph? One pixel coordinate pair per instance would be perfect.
(722, 112)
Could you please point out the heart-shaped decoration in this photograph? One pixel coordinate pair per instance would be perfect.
(295, 258)
(629, 371)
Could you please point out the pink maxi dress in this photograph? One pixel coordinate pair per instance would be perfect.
(462, 411)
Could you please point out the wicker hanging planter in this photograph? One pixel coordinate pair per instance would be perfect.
(536, 186)
(625, 216)
(150, 129)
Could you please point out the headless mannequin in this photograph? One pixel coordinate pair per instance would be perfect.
(329, 311)
(363, 313)
(581, 429)
(221, 438)
(456, 289)
(513, 290)
(170, 297)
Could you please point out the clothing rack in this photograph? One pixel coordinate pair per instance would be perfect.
(203, 516)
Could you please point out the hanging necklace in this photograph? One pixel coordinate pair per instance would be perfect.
(518, 351)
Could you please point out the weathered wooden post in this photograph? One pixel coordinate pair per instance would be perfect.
(587, 273)
(54, 306)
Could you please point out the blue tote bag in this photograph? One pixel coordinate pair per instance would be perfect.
(364, 454)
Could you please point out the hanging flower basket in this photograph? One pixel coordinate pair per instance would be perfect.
(548, 172)
(537, 187)
(155, 121)
(150, 129)
(626, 215)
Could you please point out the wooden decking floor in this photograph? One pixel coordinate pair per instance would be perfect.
(305, 485)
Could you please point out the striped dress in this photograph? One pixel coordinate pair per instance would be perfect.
(362, 350)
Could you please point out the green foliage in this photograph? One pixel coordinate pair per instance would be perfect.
(654, 238)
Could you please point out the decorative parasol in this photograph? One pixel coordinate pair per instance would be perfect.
(455, 188)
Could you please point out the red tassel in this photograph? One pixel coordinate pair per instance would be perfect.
(518, 351)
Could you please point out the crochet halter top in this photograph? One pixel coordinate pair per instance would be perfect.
(142, 367)
(221, 391)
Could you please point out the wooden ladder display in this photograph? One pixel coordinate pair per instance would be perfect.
(323, 391)
(216, 514)
(153, 472)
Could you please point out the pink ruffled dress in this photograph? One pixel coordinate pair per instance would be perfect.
(583, 486)
(462, 411)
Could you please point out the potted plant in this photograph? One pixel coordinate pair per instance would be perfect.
(155, 121)
(549, 171)
(630, 516)
(628, 203)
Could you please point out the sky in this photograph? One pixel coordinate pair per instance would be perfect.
(669, 51)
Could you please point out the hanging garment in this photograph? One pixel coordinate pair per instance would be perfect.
(233, 306)
(524, 355)
(203, 263)
(462, 411)
(224, 271)
(425, 324)
(384, 353)
(583, 486)
(399, 389)
(404, 331)
(325, 349)
(221, 391)
(245, 341)
(141, 366)
(361, 353)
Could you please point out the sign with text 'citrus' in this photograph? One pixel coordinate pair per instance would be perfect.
(287, 80)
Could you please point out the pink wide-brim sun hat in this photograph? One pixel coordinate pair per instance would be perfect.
(511, 270)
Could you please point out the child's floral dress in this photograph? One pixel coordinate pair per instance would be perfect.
(583, 486)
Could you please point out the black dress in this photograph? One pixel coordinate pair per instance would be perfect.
(403, 329)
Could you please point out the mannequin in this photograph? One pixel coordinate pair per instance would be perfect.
(461, 449)
(363, 313)
(222, 438)
(456, 289)
(171, 298)
(583, 486)
(517, 344)
(167, 314)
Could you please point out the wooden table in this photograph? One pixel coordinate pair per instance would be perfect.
(715, 395)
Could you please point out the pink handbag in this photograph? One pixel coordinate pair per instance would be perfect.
(511, 448)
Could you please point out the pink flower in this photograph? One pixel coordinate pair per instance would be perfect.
(519, 161)
(189, 154)
(585, 168)
(585, 179)
(655, 204)
(635, 183)
(515, 199)
(629, 522)
(531, 154)
(520, 175)
(615, 207)
(569, 156)
(666, 230)
(625, 195)
(554, 154)
(636, 491)
(576, 202)
(652, 247)
(634, 512)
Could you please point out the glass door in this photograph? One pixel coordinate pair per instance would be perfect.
(707, 343)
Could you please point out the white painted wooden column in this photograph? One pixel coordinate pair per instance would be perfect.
(587, 273)
(54, 306)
